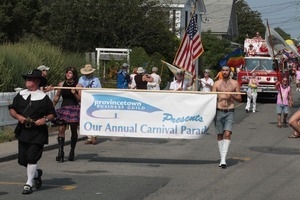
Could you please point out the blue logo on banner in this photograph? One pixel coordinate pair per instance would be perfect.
(112, 102)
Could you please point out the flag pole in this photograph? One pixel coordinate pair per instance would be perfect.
(148, 91)
(182, 40)
(197, 60)
(274, 59)
(271, 40)
(196, 68)
(190, 46)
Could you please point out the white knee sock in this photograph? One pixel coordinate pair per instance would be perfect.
(226, 144)
(31, 170)
(220, 145)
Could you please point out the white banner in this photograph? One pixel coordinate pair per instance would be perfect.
(124, 113)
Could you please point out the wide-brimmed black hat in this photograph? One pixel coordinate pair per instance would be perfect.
(35, 73)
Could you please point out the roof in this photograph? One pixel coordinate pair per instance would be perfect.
(200, 8)
(218, 16)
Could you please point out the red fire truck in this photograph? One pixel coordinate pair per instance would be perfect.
(265, 69)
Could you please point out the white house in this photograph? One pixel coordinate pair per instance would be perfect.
(217, 16)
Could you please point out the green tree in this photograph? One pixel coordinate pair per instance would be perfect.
(17, 19)
(249, 22)
(83, 25)
(214, 50)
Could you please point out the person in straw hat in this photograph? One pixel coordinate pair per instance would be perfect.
(89, 80)
(179, 83)
(141, 79)
(33, 109)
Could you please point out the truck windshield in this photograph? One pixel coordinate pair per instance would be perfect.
(259, 64)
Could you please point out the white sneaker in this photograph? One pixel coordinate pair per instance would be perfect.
(297, 89)
(253, 111)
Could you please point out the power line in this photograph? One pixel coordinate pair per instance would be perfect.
(285, 15)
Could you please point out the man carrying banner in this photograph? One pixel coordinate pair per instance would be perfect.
(224, 118)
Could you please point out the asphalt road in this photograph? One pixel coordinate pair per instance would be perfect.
(263, 163)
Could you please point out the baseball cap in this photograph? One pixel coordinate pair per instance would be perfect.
(125, 65)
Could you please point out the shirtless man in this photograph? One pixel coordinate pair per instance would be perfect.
(225, 111)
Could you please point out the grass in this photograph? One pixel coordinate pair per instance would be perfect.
(7, 134)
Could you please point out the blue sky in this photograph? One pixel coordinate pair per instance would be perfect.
(280, 13)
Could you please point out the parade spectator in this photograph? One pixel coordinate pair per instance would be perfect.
(123, 78)
(44, 71)
(284, 101)
(252, 93)
(155, 84)
(33, 109)
(142, 78)
(132, 84)
(298, 79)
(179, 83)
(89, 80)
(68, 113)
(224, 118)
(206, 82)
(292, 72)
(219, 76)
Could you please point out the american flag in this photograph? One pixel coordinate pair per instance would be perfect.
(190, 47)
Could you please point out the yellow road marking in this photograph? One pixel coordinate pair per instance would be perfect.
(69, 187)
(65, 187)
(242, 158)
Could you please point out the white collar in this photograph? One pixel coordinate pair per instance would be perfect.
(35, 95)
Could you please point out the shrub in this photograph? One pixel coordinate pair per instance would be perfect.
(6, 134)
(17, 59)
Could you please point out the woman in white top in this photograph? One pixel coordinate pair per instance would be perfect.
(252, 93)
(155, 84)
(206, 82)
(132, 85)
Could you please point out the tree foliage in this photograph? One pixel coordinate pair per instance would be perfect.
(214, 50)
(18, 18)
(249, 22)
(83, 25)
